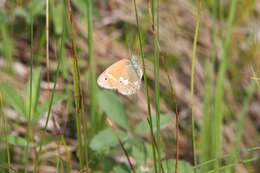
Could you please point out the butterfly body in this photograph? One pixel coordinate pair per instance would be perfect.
(124, 76)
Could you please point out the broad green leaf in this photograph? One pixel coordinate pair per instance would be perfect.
(106, 139)
(139, 150)
(184, 167)
(16, 140)
(143, 127)
(32, 97)
(13, 98)
(111, 105)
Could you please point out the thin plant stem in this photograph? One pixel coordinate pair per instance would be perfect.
(227, 155)
(93, 86)
(234, 164)
(121, 145)
(219, 98)
(192, 84)
(149, 118)
(77, 88)
(29, 127)
(5, 133)
(155, 29)
(47, 41)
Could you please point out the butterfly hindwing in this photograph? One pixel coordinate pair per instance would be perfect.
(129, 82)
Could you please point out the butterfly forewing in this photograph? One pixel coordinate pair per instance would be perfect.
(109, 78)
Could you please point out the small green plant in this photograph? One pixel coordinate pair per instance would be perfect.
(21, 102)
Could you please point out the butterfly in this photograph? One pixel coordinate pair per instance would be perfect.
(124, 76)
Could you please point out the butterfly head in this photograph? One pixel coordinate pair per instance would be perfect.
(104, 81)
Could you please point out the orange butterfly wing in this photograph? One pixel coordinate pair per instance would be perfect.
(110, 77)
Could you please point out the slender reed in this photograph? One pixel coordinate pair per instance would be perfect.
(155, 29)
(219, 93)
(149, 118)
(77, 88)
(93, 85)
(226, 156)
(5, 132)
(29, 127)
(7, 45)
(47, 41)
(193, 63)
(234, 164)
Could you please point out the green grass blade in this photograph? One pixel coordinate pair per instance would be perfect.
(32, 93)
(95, 121)
(30, 108)
(7, 46)
(156, 54)
(149, 118)
(219, 93)
(192, 84)
(4, 130)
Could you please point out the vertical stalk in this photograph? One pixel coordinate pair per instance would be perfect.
(149, 118)
(47, 41)
(193, 64)
(76, 85)
(29, 127)
(7, 46)
(93, 85)
(5, 131)
(219, 98)
(155, 29)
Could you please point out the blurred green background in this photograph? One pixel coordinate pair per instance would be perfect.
(201, 60)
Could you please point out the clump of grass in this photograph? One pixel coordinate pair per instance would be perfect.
(219, 92)
(77, 91)
(211, 133)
